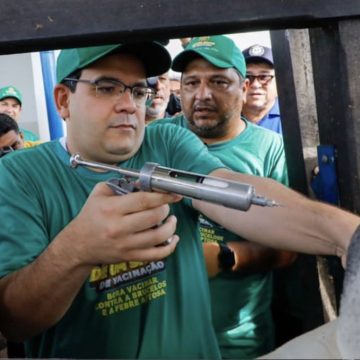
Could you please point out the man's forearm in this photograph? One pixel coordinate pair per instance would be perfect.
(299, 224)
(37, 296)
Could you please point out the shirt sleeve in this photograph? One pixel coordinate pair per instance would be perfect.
(188, 153)
(22, 231)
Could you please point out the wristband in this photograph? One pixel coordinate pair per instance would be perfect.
(226, 257)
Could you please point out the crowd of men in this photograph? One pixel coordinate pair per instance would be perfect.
(152, 274)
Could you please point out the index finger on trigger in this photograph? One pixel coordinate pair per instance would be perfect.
(141, 200)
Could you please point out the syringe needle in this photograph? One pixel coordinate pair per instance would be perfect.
(263, 201)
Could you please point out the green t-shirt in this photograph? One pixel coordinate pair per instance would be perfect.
(128, 310)
(241, 304)
(29, 135)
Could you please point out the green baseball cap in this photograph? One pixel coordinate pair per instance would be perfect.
(218, 50)
(10, 92)
(154, 56)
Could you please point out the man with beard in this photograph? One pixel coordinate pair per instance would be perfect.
(213, 87)
(157, 108)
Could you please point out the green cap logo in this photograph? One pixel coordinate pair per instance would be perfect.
(10, 92)
(219, 50)
(203, 41)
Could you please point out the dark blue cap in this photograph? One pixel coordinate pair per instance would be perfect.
(258, 53)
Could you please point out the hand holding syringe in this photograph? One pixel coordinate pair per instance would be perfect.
(153, 177)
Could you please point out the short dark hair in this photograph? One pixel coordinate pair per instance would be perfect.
(7, 123)
(72, 84)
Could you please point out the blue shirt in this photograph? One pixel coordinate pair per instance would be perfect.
(272, 120)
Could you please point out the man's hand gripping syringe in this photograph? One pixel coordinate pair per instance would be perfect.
(153, 177)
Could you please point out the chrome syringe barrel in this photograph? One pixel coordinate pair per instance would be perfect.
(196, 186)
(153, 177)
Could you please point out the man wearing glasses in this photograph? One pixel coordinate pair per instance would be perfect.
(261, 106)
(88, 274)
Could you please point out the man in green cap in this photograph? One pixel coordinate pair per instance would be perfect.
(85, 273)
(11, 104)
(213, 88)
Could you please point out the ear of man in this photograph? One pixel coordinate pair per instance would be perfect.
(62, 96)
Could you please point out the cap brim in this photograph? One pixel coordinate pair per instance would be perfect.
(12, 97)
(254, 59)
(182, 60)
(155, 57)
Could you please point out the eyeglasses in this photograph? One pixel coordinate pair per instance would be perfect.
(262, 79)
(6, 150)
(114, 89)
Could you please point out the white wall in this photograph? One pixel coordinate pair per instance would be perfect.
(24, 72)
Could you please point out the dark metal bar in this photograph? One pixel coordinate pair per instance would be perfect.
(51, 24)
(336, 54)
(289, 111)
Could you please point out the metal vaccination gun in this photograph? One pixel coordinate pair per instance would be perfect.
(153, 177)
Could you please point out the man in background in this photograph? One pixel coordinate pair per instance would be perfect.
(157, 109)
(261, 106)
(213, 88)
(11, 138)
(11, 104)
